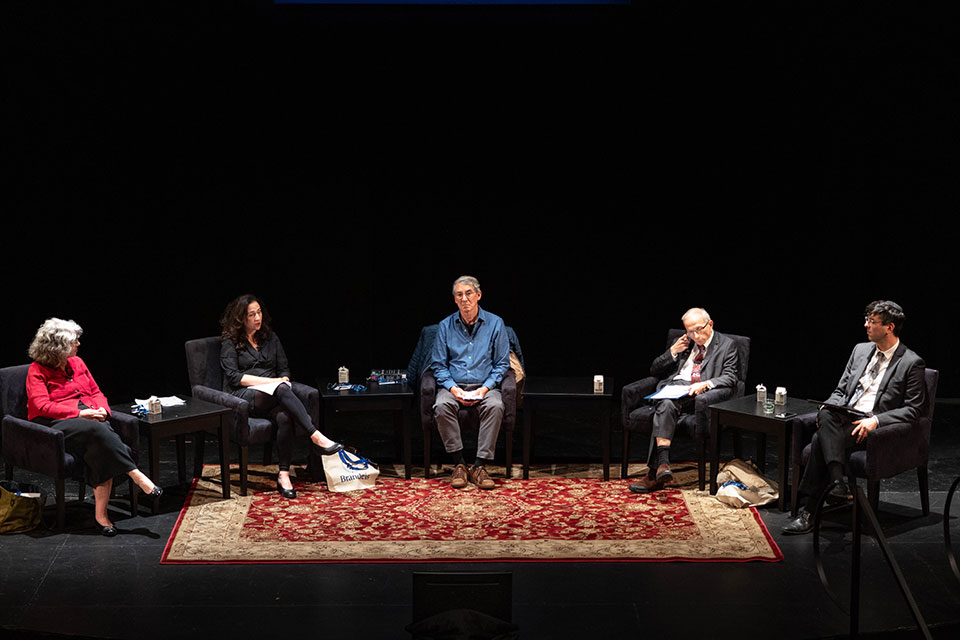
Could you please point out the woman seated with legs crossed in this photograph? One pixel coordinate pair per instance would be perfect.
(251, 354)
(61, 393)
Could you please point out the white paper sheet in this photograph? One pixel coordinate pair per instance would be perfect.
(671, 392)
(269, 387)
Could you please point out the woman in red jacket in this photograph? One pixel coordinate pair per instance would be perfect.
(61, 393)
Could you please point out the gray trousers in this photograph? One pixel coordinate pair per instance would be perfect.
(446, 410)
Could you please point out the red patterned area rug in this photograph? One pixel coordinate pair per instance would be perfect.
(563, 513)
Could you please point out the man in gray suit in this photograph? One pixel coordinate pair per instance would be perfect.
(707, 362)
(883, 384)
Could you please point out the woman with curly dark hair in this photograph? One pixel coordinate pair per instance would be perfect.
(250, 355)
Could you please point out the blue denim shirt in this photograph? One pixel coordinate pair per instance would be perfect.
(459, 358)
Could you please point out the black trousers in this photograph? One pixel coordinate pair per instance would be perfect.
(104, 454)
(832, 443)
(284, 400)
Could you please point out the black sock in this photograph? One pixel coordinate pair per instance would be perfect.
(835, 469)
(456, 457)
(663, 455)
(481, 462)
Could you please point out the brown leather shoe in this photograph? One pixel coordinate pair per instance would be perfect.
(459, 479)
(650, 483)
(479, 477)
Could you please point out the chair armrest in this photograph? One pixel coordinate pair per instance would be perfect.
(894, 448)
(127, 427)
(32, 446)
(632, 395)
(428, 395)
(240, 407)
(310, 397)
(508, 395)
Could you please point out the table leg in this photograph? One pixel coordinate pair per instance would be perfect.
(155, 467)
(783, 462)
(224, 437)
(527, 430)
(605, 438)
(762, 452)
(402, 427)
(181, 458)
(198, 446)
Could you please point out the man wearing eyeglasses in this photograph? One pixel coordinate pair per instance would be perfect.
(707, 362)
(471, 354)
(883, 381)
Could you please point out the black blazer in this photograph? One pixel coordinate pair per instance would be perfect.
(269, 361)
(901, 396)
(720, 364)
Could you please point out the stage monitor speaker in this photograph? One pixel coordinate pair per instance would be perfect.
(487, 592)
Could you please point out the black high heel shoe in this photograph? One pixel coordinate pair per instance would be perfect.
(329, 451)
(108, 532)
(289, 494)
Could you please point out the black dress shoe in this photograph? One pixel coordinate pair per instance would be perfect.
(289, 494)
(156, 493)
(108, 532)
(332, 449)
(803, 523)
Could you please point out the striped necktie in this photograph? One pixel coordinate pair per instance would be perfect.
(697, 361)
(868, 379)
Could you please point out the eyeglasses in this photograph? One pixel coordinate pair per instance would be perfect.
(869, 320)
(699, 329)
(465, 295)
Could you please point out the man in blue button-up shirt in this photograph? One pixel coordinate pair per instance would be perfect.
(471, 355)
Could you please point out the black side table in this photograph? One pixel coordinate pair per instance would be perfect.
(567, 394)
(195, 415)
(396, 398)
(746, 413)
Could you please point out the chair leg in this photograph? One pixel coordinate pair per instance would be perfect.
(134, 498)
(82, 491)
(701, 463)
(427, 438)
(509, 453)
(873, 495)
(244, 459)
(625, 462)
(924, 489)
(61, 504)
(8, 472)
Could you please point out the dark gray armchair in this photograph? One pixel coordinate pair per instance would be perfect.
(890, 450)
(40, 449)
(637, 412)
(206, 383)
(469, 416)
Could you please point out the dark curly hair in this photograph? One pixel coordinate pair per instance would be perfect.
(890, 313)
(233, 319)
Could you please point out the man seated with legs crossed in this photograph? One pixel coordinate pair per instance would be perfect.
(706, 361)
(471, 355)
(883, 380)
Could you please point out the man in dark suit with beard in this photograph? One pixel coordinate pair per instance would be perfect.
(884, 383)
(707, 362)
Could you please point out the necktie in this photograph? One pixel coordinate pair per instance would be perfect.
(697, 360)
(867, 379)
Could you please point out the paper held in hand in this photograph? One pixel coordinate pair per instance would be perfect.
(268, 387)
(670, 392)
(472, 395)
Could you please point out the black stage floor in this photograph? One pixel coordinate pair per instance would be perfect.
(78, 583)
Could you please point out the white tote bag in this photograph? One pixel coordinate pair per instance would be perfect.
(346, 471)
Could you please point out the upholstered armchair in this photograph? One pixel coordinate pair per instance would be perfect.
(206, 383)
(890, 450)
(469, 416)
(637, 412)
(40, 449)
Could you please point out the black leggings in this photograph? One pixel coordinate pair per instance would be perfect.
(285, 401)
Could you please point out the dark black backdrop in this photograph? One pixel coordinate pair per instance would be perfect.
(598, 169)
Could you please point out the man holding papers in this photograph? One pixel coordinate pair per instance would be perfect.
(699, 369)
(471, 354)
(882, 384)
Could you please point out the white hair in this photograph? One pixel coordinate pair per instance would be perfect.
(54, 341)
(696, 311)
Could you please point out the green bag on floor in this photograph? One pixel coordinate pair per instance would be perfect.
(21, 506)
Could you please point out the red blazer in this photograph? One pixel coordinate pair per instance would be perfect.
(52, 394)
